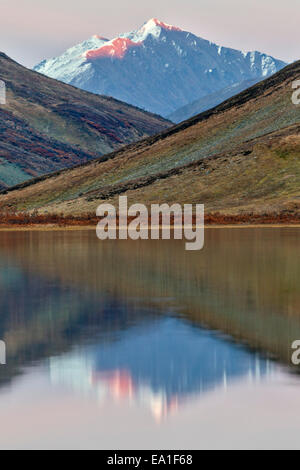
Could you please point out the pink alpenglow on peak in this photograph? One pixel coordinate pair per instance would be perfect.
(115, 49)
(163, 25)
(118, 48)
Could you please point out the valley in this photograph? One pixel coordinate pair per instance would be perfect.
(241, 157)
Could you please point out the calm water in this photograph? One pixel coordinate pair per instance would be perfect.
(126, 345)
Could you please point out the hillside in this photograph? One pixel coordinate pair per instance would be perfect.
(157, 67)
(243, 155)
(46, 125)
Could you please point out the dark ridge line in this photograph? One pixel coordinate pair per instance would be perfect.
(238, 100)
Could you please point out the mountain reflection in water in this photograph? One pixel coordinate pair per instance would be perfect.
(148, 328)
(159, 366)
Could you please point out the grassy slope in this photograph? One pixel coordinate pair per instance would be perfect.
(47, 125)
(242, 155)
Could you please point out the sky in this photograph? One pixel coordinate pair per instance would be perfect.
(32, 30)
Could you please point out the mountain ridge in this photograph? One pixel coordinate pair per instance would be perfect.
(210, 101)
(157, 67)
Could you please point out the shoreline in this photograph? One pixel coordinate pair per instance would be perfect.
(78, 228)
(34, 221)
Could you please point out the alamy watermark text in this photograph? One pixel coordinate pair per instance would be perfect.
(2, 353)
(296, 94)
(160, 222)
(2, 92)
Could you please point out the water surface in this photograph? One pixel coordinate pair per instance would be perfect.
(121, 345)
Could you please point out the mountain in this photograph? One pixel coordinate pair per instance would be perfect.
(158, 67)
(210, 101)
(242, 156)
(46, 125)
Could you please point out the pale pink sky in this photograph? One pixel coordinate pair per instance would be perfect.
(32, 30)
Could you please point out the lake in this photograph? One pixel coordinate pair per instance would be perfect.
(143, 345)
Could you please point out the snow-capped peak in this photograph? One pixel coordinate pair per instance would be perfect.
(118, 47)
(153, 27)
(157, 67)
(155, 23)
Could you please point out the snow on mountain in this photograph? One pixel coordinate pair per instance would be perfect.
(158, 67)
(65, 67)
